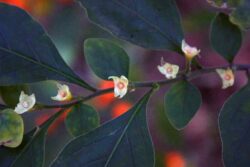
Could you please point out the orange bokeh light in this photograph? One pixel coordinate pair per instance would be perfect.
(106, 99)
(44, 117)
(174, 159)
(19, 3)
(120, 108)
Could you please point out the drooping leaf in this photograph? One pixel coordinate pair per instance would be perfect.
(81, 119)
(10, 94)
(241, 15)
(225, 37)
(122, 142)
(8, 155)
(11, 128)
(34, 152)
(151, 24)
(234, 124)
(106, 58)
(27, 53)
(181, 103)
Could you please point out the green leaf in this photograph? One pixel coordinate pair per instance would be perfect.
(106, 58)
(225, 37)
(182, 101)
(10, 94)
(27, 53)
(34, 152)
(234, 124)
(82, 119)
(241, 16)
(122, 142)
(151, 24)
(11, 128)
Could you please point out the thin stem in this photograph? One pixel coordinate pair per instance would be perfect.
(78, 100)
(150, 84)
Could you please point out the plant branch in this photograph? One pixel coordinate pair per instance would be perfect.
(149, 84)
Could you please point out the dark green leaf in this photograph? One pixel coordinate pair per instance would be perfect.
(8, 155)
(181, 103)
(241, 16)
(11, 128)
(148, 23)
(225, 37)
(27, 53)
(82, 119)
(122, 142)
(106, 58)
(33, 153)
(234, 123)
(10, 94)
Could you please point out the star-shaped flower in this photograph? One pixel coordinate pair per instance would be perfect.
(169, 70)
(63, 93)
(189, 51)
(26, 103)
(226, 76)
(120, 85)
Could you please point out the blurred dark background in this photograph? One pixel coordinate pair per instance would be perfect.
(198, 145)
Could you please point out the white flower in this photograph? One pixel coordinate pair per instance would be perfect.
(226, 76)
(26, 103)
(169, 70)
(189, 51)
(63, 93)
(120, 85)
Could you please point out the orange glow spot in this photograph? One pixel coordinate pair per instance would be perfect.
(104, 100)
(174, 159)
(120, 108)
(44, 117)
(41, 119)
(19, 3)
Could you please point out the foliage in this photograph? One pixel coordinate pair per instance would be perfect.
(28, 55)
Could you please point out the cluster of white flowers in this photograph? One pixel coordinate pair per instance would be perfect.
(170, 71)
(27, 102)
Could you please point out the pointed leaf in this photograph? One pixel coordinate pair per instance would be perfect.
(106, 58)
(34, 152)
(148, 23)
(82, 119)
(27, 53)
(234, 124)
(225, 37)
(8, 155)
(181, 103)
(122, 142)
(11, 128)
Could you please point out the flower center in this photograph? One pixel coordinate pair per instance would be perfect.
(120, 85)
(25, 104)
(62, 93)
(227, 77)
(169, 69)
